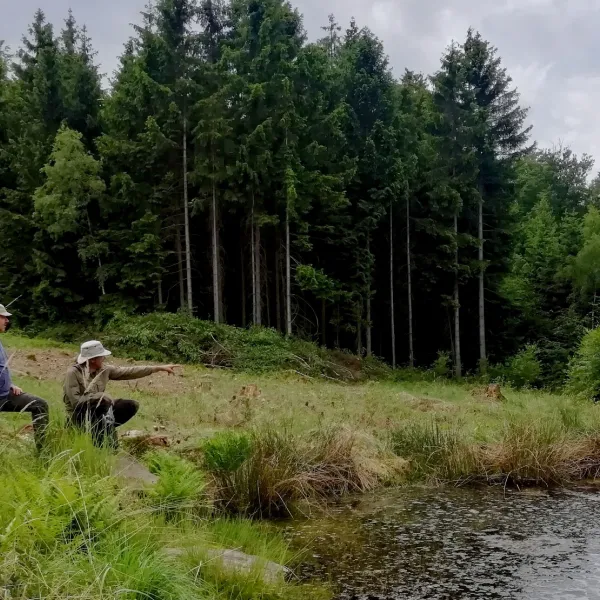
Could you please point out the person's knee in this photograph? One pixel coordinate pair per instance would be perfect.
(34, 404)
(39, 406)
(128, 407)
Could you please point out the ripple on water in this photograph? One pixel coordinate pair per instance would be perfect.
(457, 544)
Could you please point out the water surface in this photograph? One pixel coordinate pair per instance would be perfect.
(455, 544)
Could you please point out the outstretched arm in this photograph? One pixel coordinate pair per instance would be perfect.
(128, 373)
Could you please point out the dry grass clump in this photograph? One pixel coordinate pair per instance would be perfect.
(547, 452)
(542, 453)
(263, 472)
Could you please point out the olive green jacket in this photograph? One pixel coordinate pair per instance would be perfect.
(81, 386)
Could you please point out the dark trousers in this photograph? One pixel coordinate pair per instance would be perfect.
(96, 416)
(38, 408)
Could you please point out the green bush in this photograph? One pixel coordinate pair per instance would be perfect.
(523, 369)
(179, 337)
(69, 333)
(67, 532)
(442, 367)
(584, 370)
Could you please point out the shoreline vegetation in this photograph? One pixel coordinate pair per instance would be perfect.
(247, 445)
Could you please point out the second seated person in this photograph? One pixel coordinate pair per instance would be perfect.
(88, 404)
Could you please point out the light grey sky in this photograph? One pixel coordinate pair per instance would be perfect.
(550, 47)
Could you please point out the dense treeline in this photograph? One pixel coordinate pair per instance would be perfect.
(238, 172)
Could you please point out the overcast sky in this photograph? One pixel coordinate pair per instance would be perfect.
(550, 47)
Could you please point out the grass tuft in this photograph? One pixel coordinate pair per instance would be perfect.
(263, 473)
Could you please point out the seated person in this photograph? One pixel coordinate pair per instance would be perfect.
(88, 404)
(14, 399)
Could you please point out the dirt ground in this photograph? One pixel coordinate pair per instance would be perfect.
(52, 364)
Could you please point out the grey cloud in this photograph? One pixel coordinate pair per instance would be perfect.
(548, 46)
(108, 22)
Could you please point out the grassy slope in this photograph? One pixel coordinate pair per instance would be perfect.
(200, 401)
(446, 432)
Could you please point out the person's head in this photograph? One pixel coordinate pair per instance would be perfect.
(95, 364)
(4, 319)
(93, 353)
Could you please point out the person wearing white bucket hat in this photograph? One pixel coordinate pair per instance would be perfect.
(85, 395)
(14, 399)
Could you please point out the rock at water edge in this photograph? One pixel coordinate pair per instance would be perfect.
(238, 562)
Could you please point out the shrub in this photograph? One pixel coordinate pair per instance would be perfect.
(181, 338)
(523, 369)
(442, 367)
(584, 370)
(542, 452)
(70, 333)
(281, 468)
(550, 451)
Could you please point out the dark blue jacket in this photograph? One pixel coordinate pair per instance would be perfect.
(5, 382)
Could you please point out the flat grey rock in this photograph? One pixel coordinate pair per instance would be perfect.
(239, 562)
(133, 472)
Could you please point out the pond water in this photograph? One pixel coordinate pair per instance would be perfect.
(451, 544)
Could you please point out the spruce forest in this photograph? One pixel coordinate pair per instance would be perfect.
(237, 171)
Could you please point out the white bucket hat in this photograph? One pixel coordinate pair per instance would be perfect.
(93, 349)
(4, 312)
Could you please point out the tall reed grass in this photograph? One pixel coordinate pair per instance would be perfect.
(69, 530)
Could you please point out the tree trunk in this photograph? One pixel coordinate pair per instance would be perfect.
(179, 253)
(482, 348)
(278, 285)
(253, 262)
(359, 331)
(267, 295)
(392, 303)
(409, 284)
(369, 327)
(215, 259)
(258, 279)
(288, 275)
(324, 322)
(243, 272)
(186, 213)
(457, 357)
(160, 292)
